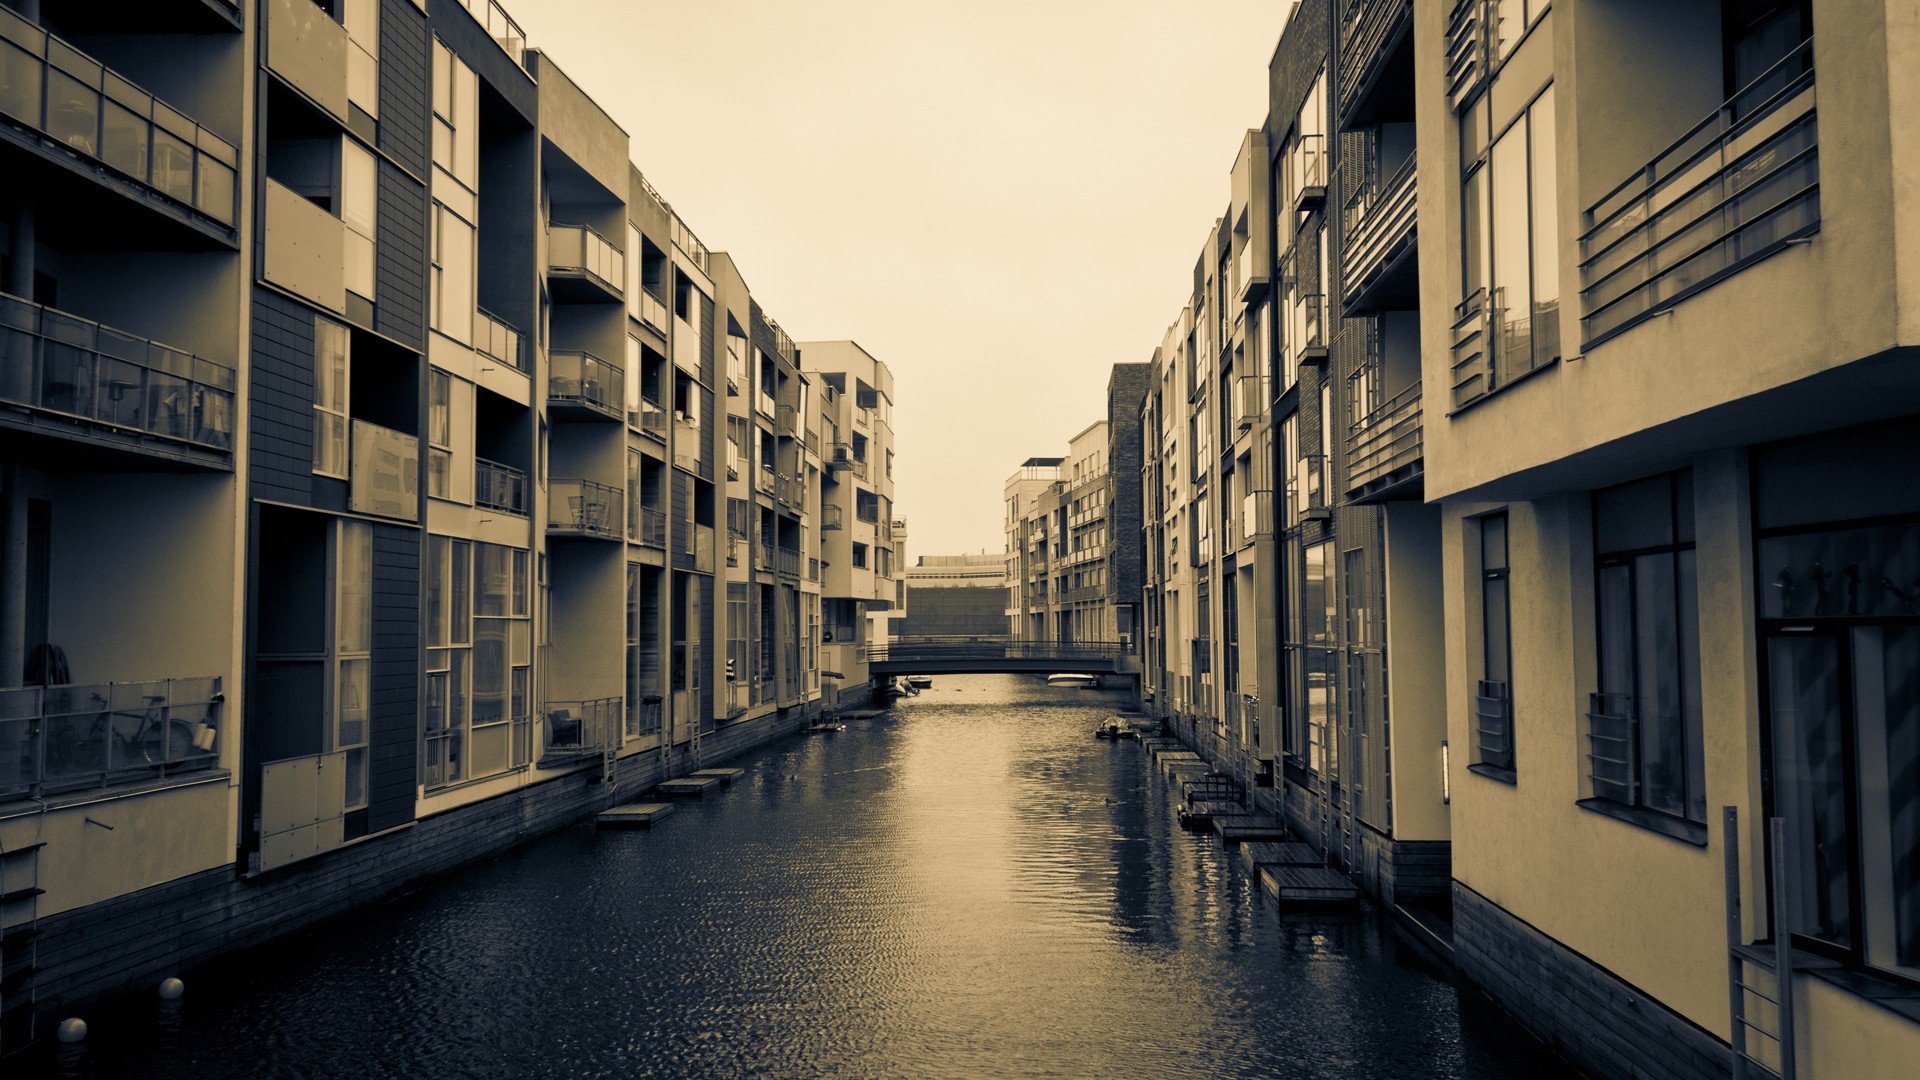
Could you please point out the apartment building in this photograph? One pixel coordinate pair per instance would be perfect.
(860, 567)
(1681, 533)
(369, 423)
(1060, 558)
(956, 596)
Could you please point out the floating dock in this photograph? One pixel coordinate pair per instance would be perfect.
(1262, 853)
(725, 776)
(633, 815)
(687, 787)
(1248, 828)
(1307, 886)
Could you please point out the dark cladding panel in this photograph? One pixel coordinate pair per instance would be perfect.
(400, 276)
(406, 68)
(396, 676)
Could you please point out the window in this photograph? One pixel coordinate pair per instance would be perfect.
(439, 434)
(860, 555)
(362, 20)
(1644, 724)
(1493, 698)
(1510, 235)
(478, 713)
(358, 197)
(456, 117)
(353, 654)
(330, 375)
(452, 274)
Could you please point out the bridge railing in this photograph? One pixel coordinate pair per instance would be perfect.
(987, 648)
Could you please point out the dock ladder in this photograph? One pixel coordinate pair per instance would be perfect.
(20, 894)
(1759, 979)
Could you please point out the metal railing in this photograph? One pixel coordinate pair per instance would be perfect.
(1249, 400)
(831, 517)
(582, 727)
(580, 249)
(1386, 440)
(1307, 493)
(1739, 186)
(500, 27)
(686, 445)
(694, 547)
(1306, 173)
(1612, 753)
(59, 363)
(1493, 725)
(581, 378)
(1366, 27)
(841, 457)
(1472, 349)
(584, 508)
(643, 715)
(786, 562)
(1256, 516)
(89, 735)
(1378, 221)
(647, 526)
(958, 647)
(786, 421)
(76, 105)
(497, 340)
(790, 490)
(688, 243)
(499, 487)
(1468, 49)
(649, 418)
(653, 310)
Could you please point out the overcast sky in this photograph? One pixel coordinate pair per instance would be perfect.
(998, 198)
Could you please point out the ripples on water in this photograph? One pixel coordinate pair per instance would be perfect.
(969, 886)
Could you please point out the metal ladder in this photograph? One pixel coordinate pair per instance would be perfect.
(1744, 962)
(19, 938)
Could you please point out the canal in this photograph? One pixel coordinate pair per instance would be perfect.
(968, 886)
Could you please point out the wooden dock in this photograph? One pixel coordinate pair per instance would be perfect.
(633, 815)
(1248, 828)
(1307, 886)
(687, 787)
(1201, 814)
(1261, 853)
(725, 776)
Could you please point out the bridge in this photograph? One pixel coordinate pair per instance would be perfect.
(996, 655)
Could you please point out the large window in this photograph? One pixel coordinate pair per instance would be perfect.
(456, 183)
(359, 197)
(1493, 698)
(353, 654)
(1644, 725)
(330, 396)
(1510, 246)
(439, 434)
(478, 710)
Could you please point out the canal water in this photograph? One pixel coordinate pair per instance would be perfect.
(968, 886)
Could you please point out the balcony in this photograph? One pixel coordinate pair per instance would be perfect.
(694, 548)
(1740, 186)
(763, 479)
(385, 471)
(649, 419)
(1385, 456)
(584, 509)
(653, 310)
(82, 736)
(813, 569)
(1469, 50)
(1249, 401)
(858, 467)
(842, 457)
(1377, 259)
(500, 27)
(1490, 350)
(1256, 517)
(1370, 33)
(307, 48)
(581, 386)
(86, 118)
(78, 378)
(1306, 174)
(647, 526)
(584, 267)
(786, 422)
(786, 562)
(686, 445)
(497, 341)
(1307, 491)
(499, 487)
(763, 557)
(831, 518)
(582, 728)
(790, 491)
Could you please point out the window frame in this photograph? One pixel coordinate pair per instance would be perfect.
(323, 410)
(1501, 765)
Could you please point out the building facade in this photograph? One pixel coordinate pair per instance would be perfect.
(1059, 527)
(390, 475)
(956, 596)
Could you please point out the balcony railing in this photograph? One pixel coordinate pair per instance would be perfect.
(791, 491)
(584, 508)
(650, 419)
(643, 716)
(500, 27)
(75, 736)
(1308, 492)
(1306, 327)
(583, 727)
(577, 250)
(1380, 226)
(1256, 516)
(1386, 446)
(831, 517)
(653, 310)
(72, 104)
(686, 445)
(695, 548)
(842, 457)
(1612, 753)
(1306, 174)
(764, 479)
(763, 556)
(858, 466)
(786, 562)
(1250, 400)
(1739, 186)
(496, 340)
(1493, 725)
(647, 526)
(499, 487)
(786, 422)
(813, 569)
(1468, 49)
(582, 384)
(63, 365)
(1367, 28)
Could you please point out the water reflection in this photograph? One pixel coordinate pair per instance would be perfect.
(970, 886)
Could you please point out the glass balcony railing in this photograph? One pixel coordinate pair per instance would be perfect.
(686, 445)
(650, 418)
(77, 105)
(500, 27)
(583, 380)
(578, 249)
(694, 547)
(647, 526)
(831, 517)
(61, 364)
(653, 310)
(72, 737)
(496, 340)
(583, 727)
(499, 487)
(1307, 490)
(1305, 172)
(584, 508)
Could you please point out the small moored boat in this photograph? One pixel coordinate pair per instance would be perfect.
(920, 682)
(1085, 682)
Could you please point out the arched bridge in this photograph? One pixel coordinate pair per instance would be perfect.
(985, 655)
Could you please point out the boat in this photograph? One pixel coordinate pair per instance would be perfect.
(920, 682)
(1112, 729)
(1085, 682)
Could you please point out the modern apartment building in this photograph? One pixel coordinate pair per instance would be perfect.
(369, 426)
(956, 596)
(860, 566)
(1057, 538)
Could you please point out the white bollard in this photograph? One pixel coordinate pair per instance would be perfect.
(73, 1029)
(171, 989)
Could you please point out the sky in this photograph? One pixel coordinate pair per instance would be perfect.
(999, 198)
